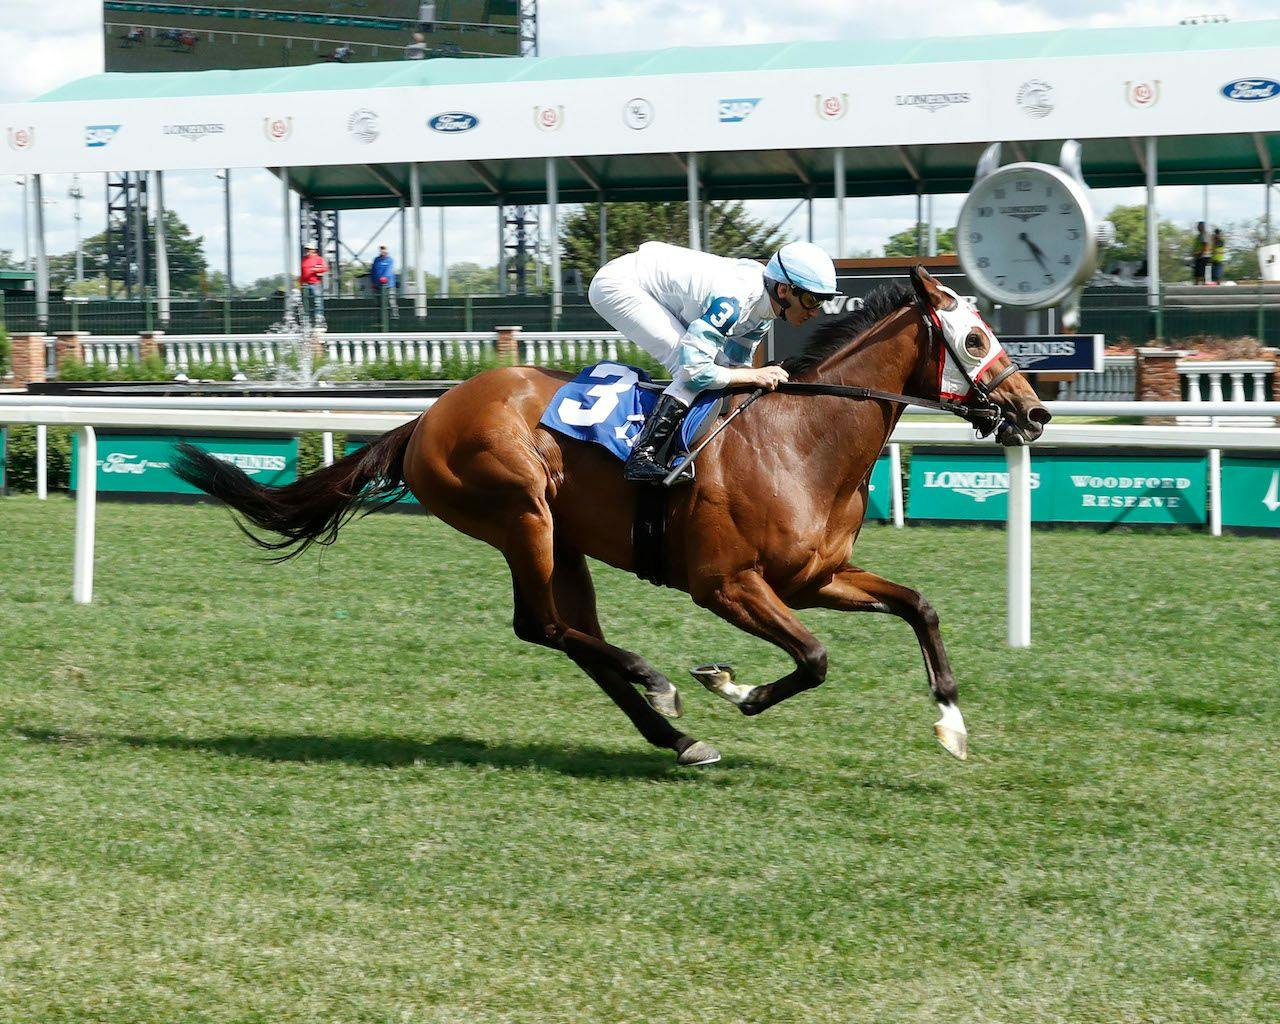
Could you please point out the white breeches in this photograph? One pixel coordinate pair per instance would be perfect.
(641, 318)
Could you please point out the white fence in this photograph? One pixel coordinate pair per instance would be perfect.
(289, 416)
(434, 350)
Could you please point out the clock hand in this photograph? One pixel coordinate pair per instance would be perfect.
(1036, 251)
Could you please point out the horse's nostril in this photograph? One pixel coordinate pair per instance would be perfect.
(1039, 415)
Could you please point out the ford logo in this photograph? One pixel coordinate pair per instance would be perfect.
(453, 121)
(1246, 90)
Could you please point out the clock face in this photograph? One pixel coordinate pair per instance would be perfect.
(1026, 235)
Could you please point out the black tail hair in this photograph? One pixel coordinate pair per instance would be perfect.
(312, 509)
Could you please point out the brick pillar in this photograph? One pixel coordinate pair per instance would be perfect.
(28, 359)
(149, 344)
(1156, 378)
(68, 346)
(508, 343)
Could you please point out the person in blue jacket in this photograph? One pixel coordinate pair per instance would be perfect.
(382, 275)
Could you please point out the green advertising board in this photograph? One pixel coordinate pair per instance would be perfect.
(139, 463)
(879, 498)
(4, 459)
(1066, 486)
(1251, 491)
(355, 446)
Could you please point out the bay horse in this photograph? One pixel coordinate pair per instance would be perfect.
(767, 526)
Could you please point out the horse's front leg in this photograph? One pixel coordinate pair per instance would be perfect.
(748, 602)
(855, 590)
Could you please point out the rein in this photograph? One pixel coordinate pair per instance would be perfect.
(985, 416)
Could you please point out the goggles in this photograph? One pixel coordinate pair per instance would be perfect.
(808, 300)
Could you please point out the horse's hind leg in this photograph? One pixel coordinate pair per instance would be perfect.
(530, 553)
(856, 590)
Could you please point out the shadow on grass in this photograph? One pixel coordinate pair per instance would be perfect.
(573, 759)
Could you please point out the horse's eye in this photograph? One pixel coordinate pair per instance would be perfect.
(975, 343)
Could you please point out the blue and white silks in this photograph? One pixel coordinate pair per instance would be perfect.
(603, 405)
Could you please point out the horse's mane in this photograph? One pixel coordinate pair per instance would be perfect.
(882, 301)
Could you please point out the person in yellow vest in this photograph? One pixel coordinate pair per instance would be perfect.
(1219, 254)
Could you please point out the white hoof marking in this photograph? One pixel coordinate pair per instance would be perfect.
(719, 680)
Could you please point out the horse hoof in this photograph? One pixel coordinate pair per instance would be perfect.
(951, 732)
(698, 754)
(666, 702)
(719, 679)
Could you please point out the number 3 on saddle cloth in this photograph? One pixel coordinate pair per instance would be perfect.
(604, 405)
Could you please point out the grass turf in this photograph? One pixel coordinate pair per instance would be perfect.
(340, 790)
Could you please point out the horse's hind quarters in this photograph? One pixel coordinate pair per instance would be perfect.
(951, 732)
(666, 701)
(719, 679)
(698, 755)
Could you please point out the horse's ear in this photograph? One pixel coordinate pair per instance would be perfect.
(927, 290)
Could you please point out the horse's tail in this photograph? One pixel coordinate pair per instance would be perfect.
(313, 508)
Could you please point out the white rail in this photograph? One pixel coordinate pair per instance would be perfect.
(357, 416)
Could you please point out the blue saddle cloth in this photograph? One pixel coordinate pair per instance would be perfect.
(603, 405)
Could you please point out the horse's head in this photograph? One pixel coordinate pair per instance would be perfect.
(971, 366)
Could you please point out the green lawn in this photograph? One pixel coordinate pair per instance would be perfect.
(341, 791)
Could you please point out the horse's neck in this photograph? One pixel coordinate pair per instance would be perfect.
(887, 357)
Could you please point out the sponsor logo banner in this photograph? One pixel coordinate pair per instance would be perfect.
(1251, 491)
(1057, 352)
(831, 107)
(735, 111)
(933, 101)
(22, 138)
(1035, 98)
(277, 129)
(879, 498)
(362, 125)
(139, 463)
(1251, 90)
(96, 136)
(1142, 94)
(193, 132)
(549, 119)
(637, 113)
(453, 121)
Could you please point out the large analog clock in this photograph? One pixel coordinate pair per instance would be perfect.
(1027, 235)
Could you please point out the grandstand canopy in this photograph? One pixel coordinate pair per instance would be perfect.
(765, 121)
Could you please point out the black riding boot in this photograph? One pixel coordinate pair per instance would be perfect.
(644, 465)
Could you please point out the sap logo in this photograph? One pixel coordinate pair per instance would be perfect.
(98, 135)
(453, 121)
(1249, 90)
(737, 110)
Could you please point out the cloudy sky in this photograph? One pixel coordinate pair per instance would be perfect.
(48, 42)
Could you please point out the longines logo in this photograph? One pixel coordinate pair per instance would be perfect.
(976, 484)
(831, 107)
(22, 138)
(193, 132)
(1024, 213)
(277, 129)
(933, 101)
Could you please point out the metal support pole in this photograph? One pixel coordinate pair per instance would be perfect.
(226, 218)
(140, 239)
(502, 248)
(26, 222)
(162, 254)
(419, 272)
(1266, 206)
(553, 242)
(604, 231)
(695, 232)
(809, 208)
(1215, 492)
(290, 278)
(42, 260)
(919, 219)
(840, 188)
(86, 514)
(933, 227)
(77, 194)
(402, 280)
(444, 258)
(895, 484)
(42, 461)
(1019, 546)
(1153, 240)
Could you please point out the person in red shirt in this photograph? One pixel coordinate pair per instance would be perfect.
(312, 280)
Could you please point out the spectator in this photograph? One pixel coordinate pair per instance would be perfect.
(342, 55)
(1200, 251)
(382, 279)
(1219, 254)
(416, 50)
(312, 281)
(134, 37)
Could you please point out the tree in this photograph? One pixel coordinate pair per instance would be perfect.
(472, 279)
(187, 263)
(1131, 243)
(734, 232)
(904, 242)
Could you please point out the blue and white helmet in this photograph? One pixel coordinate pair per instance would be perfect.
(803, 265)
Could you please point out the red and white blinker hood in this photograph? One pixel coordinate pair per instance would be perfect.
(963, 360)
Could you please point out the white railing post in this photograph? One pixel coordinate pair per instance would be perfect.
(86, 513)
(326, 447)
(1019, 545)
(1215, 492)
(42, 461)
(895, 484)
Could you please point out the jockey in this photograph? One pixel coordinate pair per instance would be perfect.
(701, 317)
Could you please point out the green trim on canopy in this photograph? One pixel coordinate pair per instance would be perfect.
(679, 60)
